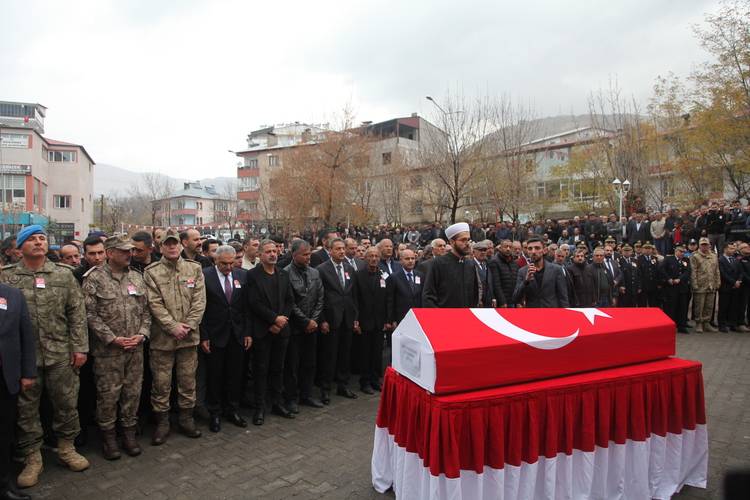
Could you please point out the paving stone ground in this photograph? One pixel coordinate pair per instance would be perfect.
(326, 453)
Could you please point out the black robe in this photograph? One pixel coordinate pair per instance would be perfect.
(450, 282)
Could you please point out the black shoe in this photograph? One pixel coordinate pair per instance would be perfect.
(279, 410)
(366, 389)
(292, 407)
(259, 416)
(345, 392)
(723, 329)
(377, 386)
(215, 424)
(325, 397)
(314, 403)
(235, 418)
(11, 494)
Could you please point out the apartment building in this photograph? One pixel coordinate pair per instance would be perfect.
(42, 180)
(195, 205)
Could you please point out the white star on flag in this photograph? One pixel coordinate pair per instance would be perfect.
(590, 312)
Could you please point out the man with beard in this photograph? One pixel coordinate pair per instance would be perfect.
(191, 247)
(575, 270)
(540, 283)
(504, 269)
(451, 279)
(70, 255)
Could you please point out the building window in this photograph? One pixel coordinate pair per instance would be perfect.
(540, 190)
(387, 158)
(251, 205)
(61, 201)
(247, 184)
(416, 207)
(416, 181)
(81, 205)
(273, 161)
(251, 162)
(61, 156)
(16, 141)
(12, 188)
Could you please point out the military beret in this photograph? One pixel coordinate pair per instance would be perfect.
(28, 231)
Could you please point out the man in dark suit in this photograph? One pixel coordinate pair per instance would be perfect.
(322, 255)
(388, 264)
(675, 274)
(650, 283)
(484, 275)
(225, 335)
(373, 322)
(339, 322)
(271, 301)
(403, 289)
(301, 354)
(630, 283)
(637, 230)
(350, 251)
(18, 354)
(729, 291)
(540, 283)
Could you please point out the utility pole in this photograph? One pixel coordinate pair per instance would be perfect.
(101, 212)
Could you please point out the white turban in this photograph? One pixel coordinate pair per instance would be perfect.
(458, 227)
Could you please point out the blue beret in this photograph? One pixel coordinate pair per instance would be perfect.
(24, 233)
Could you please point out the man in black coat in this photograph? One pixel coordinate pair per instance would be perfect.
(451, 279)
(373, 322)
(729, 291)
(403, 289)
(540, 283)
(271, 301)
(301, 354)
(339, 322)
(630, 283)
(504, 269)
(675, 276)
(225, 336)
(323, 255)
(650, 284)
(637, 230)
(18, 354)
(575, 271)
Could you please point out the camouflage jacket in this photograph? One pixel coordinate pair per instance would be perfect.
(56, 308)
(704, 272)
(116, 306)
(176, 294)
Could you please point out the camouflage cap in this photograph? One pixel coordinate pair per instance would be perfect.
(704, 241)
(120, 242)
(171, 235)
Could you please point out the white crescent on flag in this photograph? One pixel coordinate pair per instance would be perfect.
(494, 320)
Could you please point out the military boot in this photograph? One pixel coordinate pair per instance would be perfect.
(29, 476)
(187, 423)
(161, 432)
(698, 327)
(66, 452)
(109, 444)
(708, 327)
(129, 442)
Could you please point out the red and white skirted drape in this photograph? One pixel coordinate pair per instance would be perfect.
(631, 432)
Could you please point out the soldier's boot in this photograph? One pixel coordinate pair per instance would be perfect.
(29, 476)
(187, 423)
(161, 432)
(129, 442)
(66, 452)
(708, 328)
(109, 444)
(698, 327)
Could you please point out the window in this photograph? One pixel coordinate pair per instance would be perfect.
(61, 156)
(273, 161)
(416, 207)
(12, 188)
(416, 181)
(247, 184)
(540, 190)
(18, 141)
(81, 205)
(35, 193)
(387, 158)
(61, 201)
(251, 162)
(251, 205)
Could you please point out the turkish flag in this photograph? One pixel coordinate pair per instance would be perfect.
(453, 350)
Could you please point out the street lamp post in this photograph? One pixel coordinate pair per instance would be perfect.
(621, 188)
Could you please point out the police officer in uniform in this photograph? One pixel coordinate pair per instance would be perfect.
(675, 277)
(119, 321)
(648, 267)
(58, 318)
(630, 283)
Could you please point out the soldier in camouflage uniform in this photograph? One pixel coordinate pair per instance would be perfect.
(119, 322)
(177, 299)
(58, 317)
(705, 280)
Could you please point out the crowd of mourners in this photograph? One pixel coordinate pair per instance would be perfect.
(119, 330)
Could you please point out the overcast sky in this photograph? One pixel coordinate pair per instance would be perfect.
(171, 85)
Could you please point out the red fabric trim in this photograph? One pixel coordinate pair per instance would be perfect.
(520, 423)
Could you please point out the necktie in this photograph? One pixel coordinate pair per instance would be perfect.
(410, 279)
(340, 271)
(227, 288)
